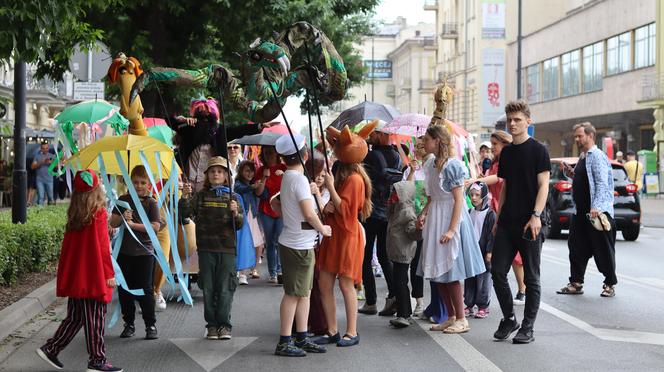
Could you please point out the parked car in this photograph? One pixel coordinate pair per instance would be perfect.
(560, 206)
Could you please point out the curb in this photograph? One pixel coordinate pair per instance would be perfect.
(15, 315)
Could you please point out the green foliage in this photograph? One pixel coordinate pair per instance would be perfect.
(32, 246)
(45, 32)
(194, 33)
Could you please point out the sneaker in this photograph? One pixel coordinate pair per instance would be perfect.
(128, 331)
(506, 328)
(400, 322)
(255, 274)
(360, 295)
(242, 279)
(104, 367)
(390, 307)
(608, 291)
(378, 273)
(520, 298)
(224, 333)
(48, 358)
(368, 309)
(212, 333)
(469, 311)
(288, 349)
(272, 279)
(418, 308)
(482, 313)
(160, 302)
(524, 336)
(151, 333)
(310, 347)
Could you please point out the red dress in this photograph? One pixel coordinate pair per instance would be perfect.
(85, 262)
(273, 186)
(343, 252)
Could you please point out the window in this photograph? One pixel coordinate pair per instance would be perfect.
(617, 53)
(593, 67)
(570, 66)
(550, 79)
(533, 83)
(644, 46)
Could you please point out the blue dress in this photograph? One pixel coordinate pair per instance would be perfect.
(461, 257)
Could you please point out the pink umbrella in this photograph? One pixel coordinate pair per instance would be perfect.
(411, 125)
(277, 128)
(151, 122)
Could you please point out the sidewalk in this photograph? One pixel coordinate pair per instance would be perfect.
(652, 211)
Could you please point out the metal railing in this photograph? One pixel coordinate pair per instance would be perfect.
(652, 87)
(450, 30)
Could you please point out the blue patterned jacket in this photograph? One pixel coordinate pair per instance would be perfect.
(600, 178)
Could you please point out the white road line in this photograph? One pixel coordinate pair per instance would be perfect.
(604, 333)
(469, 358)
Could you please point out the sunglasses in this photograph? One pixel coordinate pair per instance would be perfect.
(234, 147)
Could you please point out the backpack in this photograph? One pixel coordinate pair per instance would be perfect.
(388, 177)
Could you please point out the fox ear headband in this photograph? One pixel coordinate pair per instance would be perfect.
(350, 148)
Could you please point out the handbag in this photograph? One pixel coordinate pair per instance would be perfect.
(600, 223)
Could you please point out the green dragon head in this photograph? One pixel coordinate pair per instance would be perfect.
(267, 54)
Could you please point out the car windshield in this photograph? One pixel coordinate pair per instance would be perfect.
(619, 175)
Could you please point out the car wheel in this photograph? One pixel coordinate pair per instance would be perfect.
(632, 233)
(552, 230)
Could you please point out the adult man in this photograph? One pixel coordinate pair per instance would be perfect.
(619, 157)
(524, 168)
(593, 196)
(383, 165)
(634, 169)
(44, 180)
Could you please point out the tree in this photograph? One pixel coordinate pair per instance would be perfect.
(194, 33)
(43, 32)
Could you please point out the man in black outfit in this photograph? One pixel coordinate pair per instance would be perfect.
(382, 158)
(525, 168)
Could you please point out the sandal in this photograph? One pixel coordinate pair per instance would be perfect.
(608, 291)
(459, 326)
(442, 326)
(571, 289)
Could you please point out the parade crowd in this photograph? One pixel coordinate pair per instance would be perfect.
(324, 219)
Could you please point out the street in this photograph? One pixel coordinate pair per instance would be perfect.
(584, 332)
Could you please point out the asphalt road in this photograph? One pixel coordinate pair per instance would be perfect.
(582, 333)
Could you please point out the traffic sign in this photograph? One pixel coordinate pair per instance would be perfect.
(84, 90)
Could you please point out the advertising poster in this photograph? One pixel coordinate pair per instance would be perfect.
(493, 85)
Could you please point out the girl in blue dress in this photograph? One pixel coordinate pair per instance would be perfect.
(450, 252)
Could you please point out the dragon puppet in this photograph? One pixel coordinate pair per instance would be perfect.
(322, 69)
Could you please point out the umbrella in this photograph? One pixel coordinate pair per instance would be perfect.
(151, 122)
(278, 129)
(129, 147)
(162, 133)
(91, 112)
(261, 139)
(412, 125)
(366, 110)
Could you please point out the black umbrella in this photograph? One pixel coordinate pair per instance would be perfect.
(261, 139)
(366, 110)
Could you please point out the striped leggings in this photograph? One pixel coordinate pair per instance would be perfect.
(87, 313)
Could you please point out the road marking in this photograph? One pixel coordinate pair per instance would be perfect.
(211, 353)
(604, 333)
(469, 358)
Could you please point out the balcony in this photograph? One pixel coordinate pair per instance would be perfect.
(390, 90)
(450, 31)
(427, 84)
(652, 88)
(430, 4)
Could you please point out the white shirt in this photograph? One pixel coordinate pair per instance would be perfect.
(294, 189)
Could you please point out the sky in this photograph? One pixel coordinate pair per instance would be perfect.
(412, 10)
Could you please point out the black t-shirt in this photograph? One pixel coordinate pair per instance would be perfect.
(581, 189)
(519, 166)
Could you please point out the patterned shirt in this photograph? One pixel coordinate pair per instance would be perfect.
(600, 178)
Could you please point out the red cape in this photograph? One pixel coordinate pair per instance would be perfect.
(85, 262)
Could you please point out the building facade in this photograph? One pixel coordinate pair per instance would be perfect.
(589, 64)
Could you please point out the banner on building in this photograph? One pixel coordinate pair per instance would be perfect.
(378, 69)
(493, 19)
(493, 85)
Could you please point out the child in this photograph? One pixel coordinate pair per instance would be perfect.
(215, 212)
(296, 248)
(450, 252)
(85, 274)
(136, 258)
(477, 290)
(402, 237)
(250, 191)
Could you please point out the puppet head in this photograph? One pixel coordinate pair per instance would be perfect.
(206, 105)
(124, 67)
(350, 148)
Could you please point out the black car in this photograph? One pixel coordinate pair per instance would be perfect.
(560, 206)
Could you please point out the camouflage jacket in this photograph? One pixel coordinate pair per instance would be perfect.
(212, 214)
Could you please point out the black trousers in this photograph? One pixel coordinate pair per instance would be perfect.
(508, 241)
(400, 284)
(416, 281)
(585, 242)
(376, 231)
(137, 271)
